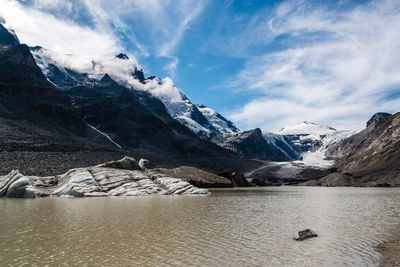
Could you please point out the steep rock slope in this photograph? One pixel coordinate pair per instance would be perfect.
(113, 109)
(33, 113)
(252, 144)
(370, 157)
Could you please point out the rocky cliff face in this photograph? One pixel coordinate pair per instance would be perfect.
(115, 111)
(33, 113)
(252, 144)
(370, 157)
(7, 37)
(377, 118)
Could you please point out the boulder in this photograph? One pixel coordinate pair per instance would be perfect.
(145, 164)
(305, 234)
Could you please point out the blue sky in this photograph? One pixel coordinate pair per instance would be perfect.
(263, 64)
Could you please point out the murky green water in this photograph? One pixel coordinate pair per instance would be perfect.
(251, 227)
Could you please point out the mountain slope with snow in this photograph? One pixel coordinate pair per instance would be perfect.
(312, 140)
(160, 95)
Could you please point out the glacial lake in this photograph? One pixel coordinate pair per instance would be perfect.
(230, 227)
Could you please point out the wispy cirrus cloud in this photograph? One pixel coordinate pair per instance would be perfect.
(335, 65)
(160, 25)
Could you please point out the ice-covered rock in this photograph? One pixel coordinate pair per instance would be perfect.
(16, 185)
(109, 179)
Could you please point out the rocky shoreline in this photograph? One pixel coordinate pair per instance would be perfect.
(391, 253)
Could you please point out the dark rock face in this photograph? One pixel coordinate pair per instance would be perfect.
(33, 113)
(138, 74)
(377, 118)
(302, 144)
(251, 144)
(115, 111)
(122, 56)
(368, 158)
(18, 66)
(6, 38)
(237, 179)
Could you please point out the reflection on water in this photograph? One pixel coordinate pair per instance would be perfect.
(253, 227)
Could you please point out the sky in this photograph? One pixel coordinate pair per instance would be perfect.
(265, 64)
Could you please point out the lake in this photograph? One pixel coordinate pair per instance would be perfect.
(230, 227)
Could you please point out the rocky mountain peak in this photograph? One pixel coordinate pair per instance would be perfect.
(138, 74)
(107, 79)
(35, 48)
(7, 37)
(122, 56)
(377, 117)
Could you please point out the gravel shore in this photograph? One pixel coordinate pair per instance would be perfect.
(391, 253)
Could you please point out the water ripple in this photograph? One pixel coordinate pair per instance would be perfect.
(229, 228)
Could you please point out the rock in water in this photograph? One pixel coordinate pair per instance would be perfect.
(305, 234)
(145, 164)
(108, 179)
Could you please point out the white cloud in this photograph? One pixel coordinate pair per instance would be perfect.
(161, 88)
(338, 70)
(165, 22)
(172, 66)
(53, 4)
(187, 13)
(35, 27)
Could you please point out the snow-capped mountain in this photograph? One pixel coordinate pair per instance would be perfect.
(283, 144)
(254, 144)
(222, 126)
(66, 71)
(312, 140)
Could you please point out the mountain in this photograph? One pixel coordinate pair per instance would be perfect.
(58, 113)
(252, 144)
(114, 110)
(130, 117)
(312, 140)
(307, 136)
(210, 125)
(282, 144)
(165, 101)
(7, 37)
(370, 157)
(33, 113)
